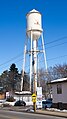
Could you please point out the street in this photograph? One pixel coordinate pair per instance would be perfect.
(22, 115)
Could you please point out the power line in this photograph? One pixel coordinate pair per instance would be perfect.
(57, 45)
(56, 40)
(57, 57)
(42, 60)
(10, 59)
(39, 46)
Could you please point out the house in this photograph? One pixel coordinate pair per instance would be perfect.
(25, 96)
(2, 93)
(59, 93)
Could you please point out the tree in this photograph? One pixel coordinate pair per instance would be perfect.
(13, 76)
(42, 79)
(4, 80)
(13, 68)
(11, 80)
(26, 84)
(58, 71)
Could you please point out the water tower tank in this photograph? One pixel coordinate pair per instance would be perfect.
(34, 24)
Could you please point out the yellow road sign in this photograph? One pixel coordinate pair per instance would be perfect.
(33, 97)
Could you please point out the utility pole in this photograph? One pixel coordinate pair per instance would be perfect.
(35, 69)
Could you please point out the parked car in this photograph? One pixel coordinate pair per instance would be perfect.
(46, 104)
(20, 103)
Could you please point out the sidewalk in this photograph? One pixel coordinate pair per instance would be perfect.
(44, 112)
(52, 113)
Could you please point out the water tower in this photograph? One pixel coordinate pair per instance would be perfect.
(34, 25)
(33, 32)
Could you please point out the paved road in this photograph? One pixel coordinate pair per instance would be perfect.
(22, 115)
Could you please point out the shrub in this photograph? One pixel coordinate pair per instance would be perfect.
(10, 99)
(6, 105)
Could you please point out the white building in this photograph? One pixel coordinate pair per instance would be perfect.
(26, 96)
(59, 93)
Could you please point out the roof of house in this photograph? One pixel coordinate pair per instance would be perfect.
(23, 93)
(58, 80)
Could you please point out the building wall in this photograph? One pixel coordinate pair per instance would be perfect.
(59, 97)
(26, 98)
(60, 100)
(65, 92)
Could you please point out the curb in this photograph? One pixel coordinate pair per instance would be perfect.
(52, 113)
(42, 112)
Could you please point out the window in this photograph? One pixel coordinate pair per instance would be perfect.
(59, 89)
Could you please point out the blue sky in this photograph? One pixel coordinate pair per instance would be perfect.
(13, 30)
